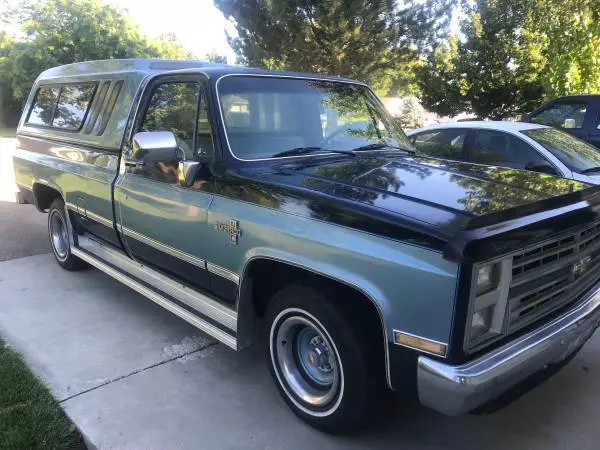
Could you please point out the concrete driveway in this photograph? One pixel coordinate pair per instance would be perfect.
(133, 376)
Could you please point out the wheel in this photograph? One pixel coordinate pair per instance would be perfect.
(326, 369)
(59, 237)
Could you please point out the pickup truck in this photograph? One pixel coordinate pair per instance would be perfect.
(578, 115)
(289, 210)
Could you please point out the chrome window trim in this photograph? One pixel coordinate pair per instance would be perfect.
(293, 77)
(128, 232)
(223, 272)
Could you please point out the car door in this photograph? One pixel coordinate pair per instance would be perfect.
(447, 143)
(163, 224)
(499, 148)
(569, 115)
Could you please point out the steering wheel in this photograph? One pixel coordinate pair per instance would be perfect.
(333, 134)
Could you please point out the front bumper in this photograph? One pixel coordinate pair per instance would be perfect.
(454, 390)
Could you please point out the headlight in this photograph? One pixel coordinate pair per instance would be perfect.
(488, 301)
(487, 278)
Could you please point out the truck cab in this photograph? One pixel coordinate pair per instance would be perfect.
(288, 210)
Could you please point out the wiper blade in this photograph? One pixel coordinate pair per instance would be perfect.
(381, 145)
(299, 151)
(591, 170)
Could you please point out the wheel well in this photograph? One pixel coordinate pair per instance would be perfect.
(269, 276)
(44, 196)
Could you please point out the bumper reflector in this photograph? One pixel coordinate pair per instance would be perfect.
(419, 343)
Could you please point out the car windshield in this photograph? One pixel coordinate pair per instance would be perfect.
(269, 117)
(574, 153)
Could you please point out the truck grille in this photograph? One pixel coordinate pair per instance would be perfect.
(552, 274)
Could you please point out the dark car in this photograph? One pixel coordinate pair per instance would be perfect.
(577, 115)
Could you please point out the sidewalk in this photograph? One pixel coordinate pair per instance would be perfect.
(133, 376)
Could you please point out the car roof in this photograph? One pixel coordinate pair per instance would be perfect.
(151, 65)
(481, 124)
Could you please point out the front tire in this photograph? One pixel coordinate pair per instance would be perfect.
(59, 237)
(325, 367)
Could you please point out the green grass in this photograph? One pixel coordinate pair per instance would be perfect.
(8, 132)
(29, 417)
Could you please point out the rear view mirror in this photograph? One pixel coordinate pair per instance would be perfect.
(569, 123)
(154, 146)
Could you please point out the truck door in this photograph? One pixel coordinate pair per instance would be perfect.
(162, 223)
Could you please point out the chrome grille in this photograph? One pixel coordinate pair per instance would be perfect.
(552, 274)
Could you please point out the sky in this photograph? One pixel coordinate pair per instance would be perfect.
(198, 24)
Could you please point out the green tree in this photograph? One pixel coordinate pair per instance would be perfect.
(214, 57)
(375, 41)
(513, 55)
(59, 32)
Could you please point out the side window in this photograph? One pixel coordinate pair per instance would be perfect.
(204, 141)
(42, 111)
(172, 107)
(446, 143)
(73, 103)
(502, 149)
(563, 115)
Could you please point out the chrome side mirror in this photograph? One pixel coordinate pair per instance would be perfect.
(154, 146)
(186, 172)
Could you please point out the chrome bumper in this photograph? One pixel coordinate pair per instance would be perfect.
(454, 390)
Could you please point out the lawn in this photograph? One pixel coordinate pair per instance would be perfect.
(29, 417)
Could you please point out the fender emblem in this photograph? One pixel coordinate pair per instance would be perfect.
(232, 228)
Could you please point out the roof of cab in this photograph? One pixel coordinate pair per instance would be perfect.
(149, 65)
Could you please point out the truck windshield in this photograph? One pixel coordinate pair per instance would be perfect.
(574, 153)
(268, 117)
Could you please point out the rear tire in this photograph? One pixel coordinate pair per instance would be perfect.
(59, 237)
(328, 370)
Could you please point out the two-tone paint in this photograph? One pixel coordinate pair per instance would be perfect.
(400, 230)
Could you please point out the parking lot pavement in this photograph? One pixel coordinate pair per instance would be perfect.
(133, 376)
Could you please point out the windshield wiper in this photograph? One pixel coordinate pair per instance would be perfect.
(299, 151)
(381, 145)
(591, 170)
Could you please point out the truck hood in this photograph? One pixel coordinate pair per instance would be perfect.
(444, 196)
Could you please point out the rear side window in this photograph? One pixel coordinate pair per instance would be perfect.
(73, 103)
(43, 108)
(442, 143)
(63, 107)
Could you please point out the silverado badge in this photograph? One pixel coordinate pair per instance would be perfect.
(232, 228)
(581, 266)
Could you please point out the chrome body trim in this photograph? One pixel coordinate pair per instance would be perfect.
(223, 273)
(163, 248)
(419, 337)
(213, 331)
(455, 390)
(196, 300)
(98, 218)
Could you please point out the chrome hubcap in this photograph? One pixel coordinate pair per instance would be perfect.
(307, 361)
(58, 235)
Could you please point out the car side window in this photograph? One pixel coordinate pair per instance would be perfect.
(502, 149)
(44, 105)
(175, 107)
(172, 107)
(446, 144)
(563, 115)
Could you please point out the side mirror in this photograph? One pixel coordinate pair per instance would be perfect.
(542, 168)
(154, 146)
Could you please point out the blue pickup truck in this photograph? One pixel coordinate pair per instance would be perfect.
(288, 210)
